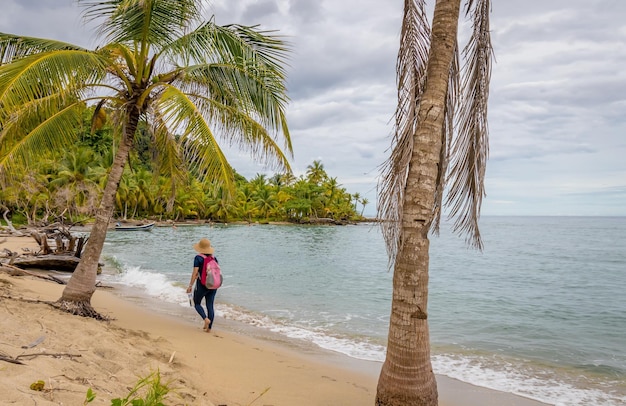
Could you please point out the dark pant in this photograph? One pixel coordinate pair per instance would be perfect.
(200, 292)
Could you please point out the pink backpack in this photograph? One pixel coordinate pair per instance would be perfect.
(211, 274)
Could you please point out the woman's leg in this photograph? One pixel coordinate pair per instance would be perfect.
(198, 294)
(209, 300)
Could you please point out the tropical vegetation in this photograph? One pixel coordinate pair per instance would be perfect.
(438, 160)
(67, 185)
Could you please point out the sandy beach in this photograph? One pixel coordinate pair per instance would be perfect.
(72, 354)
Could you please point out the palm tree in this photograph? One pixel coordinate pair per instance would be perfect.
(415, 175)
(218, 206)
(315, 172)
(357, 199)
(191, 80)
(265, 201)
(364, 202)
(77, 180)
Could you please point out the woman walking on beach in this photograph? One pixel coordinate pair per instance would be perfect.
(204, 248)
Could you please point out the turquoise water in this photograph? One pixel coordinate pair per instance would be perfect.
(540, 312)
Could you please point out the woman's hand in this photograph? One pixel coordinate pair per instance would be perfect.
(189, 289)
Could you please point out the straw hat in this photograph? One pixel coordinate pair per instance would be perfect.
(204, 247)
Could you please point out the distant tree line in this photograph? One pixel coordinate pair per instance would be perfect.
(66, 185)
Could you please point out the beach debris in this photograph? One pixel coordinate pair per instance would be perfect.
(48, 302)
(48, 354)
(10, 224)
(172, 357)
(8, 253)
(59, 250)
(16, 360)
(66, 263)
(35, 343)
(260, 395)
(38, 386)
(15, 271)
(12, 360)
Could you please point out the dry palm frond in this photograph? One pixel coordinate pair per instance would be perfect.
(411, 72)
(471, 147)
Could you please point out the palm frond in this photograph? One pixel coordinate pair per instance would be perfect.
(17, 122)
(119, 51)
(178, 112)
(41, 96)
(154, 22)
(269, 48)
(169, 155)
(249, 62)
(471, 147)
(233, 44)
(40, 75)
(14, 47)
(410, 71)
(56, 132)
(251, 94)
(240, 129)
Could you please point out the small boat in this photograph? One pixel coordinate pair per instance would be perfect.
(143, 227)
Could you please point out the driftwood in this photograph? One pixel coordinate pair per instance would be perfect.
(66, 263)
(48, 354)
(10, 359)
(57, 238)
(15, 360)
(42, 240)
(48, 302)
(10, 224)
(15, 271)
(60, 250)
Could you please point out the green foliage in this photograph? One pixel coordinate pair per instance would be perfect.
(18, 219)
(89, 397)
(37, 386)
(98, 138)
(154, 392)
(148, 391)
(68, 184)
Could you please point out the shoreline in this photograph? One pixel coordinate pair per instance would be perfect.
(240, 367)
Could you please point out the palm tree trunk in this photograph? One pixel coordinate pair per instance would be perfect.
(76, 297)
(406, 377)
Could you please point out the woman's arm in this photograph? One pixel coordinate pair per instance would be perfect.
(194, 276)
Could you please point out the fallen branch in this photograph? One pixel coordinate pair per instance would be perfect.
(11, 360)
(10, 224)
(17, 361)
(15, 271)
(66, 263)
(47, 354)
(48, 302)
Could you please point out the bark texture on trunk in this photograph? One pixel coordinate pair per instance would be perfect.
(76, 297)
(406, 377)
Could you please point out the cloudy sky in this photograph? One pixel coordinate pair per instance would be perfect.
(557, 105)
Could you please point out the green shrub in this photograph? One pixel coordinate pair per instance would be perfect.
(148, 391)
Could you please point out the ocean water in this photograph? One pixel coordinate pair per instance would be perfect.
(541, 312)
